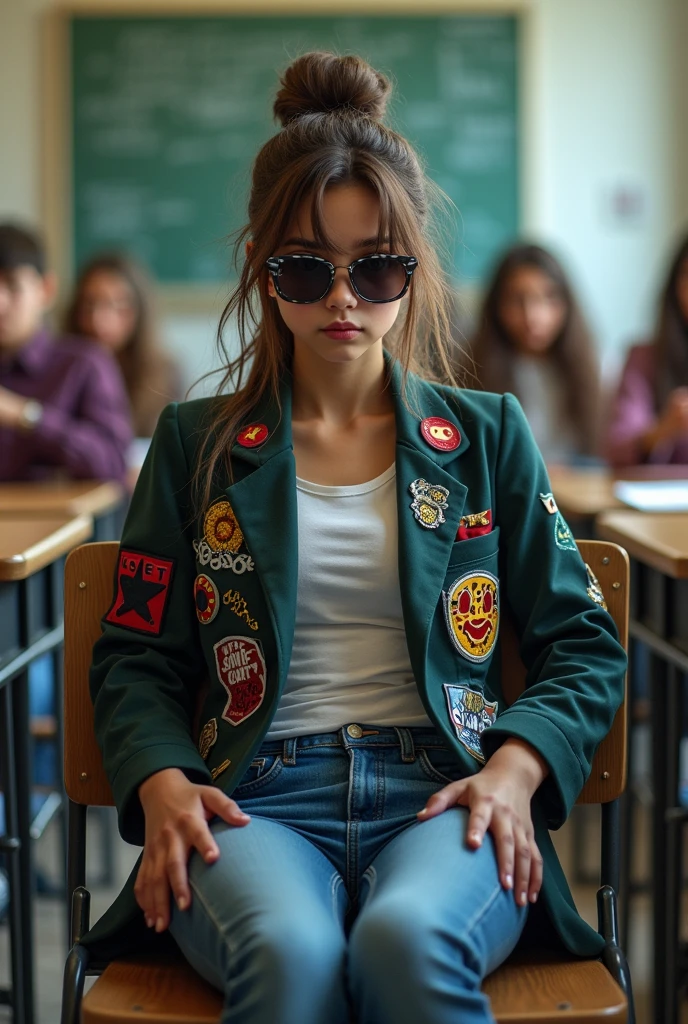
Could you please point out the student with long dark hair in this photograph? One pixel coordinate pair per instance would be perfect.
(113, 304)
(532, 341)
(348, 812)
(649, 421)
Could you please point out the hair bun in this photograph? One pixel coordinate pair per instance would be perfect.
(319, 82)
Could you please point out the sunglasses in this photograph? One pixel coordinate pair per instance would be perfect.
(381, 277)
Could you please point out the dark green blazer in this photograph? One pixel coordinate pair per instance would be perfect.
(208, 601)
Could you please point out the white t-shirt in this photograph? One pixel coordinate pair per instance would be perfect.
(542, 394)
(350, 661)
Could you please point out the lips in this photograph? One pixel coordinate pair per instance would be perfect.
(477, 629)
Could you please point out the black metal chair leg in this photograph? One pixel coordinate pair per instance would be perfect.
(613, 956)
(73, 985)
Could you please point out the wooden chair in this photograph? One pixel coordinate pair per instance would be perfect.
(543, 988)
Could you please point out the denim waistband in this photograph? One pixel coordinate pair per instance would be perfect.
(358, 735)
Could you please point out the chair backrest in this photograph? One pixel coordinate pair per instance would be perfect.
(89, 575)
(610, 564)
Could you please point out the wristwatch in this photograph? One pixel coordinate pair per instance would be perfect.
(31, 415)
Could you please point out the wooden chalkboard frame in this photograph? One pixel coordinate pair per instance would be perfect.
(189, 298)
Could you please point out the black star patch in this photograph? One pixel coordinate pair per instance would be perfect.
(143, 584)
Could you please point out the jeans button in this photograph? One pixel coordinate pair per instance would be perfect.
(354, 731)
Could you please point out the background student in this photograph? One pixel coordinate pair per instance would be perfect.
(649, 421)
(113, 304)
(63, 407)
(532, 340)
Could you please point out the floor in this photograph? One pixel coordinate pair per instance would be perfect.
(50, 922)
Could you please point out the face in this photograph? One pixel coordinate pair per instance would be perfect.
(351, 215)
(532, 310)
(24, 297)
(107, 309)
(682, 289)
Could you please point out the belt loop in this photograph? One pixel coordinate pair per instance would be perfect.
(408, 753)
(289, 754)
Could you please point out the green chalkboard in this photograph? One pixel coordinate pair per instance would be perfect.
(168, 113)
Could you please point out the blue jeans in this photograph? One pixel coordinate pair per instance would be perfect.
(335, 897)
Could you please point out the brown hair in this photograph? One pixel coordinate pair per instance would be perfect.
(573, 352)
(149, 376)
(671, 337)
(330, 109)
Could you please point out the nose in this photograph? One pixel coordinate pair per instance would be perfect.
(341, 294)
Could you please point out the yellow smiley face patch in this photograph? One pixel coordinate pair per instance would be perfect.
(471, 607)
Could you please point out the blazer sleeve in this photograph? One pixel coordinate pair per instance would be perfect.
(147, 671)
(575, 666)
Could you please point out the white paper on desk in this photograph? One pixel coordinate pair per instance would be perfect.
(653, 495)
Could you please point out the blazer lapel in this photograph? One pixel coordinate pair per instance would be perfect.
(424, 552)
(264, 501)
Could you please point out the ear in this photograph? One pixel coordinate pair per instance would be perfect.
(49, 288)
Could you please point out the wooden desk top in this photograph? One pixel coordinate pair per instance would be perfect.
(71, 498)
(29, 544)
(583, 493)
(658, 539)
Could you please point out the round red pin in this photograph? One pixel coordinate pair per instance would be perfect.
(253, 436)
(440, 434)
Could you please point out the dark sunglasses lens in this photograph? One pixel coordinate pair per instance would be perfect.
(379, 279)
(303, 279)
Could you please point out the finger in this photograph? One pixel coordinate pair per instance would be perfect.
(142, 893)
(160, 887)
(177, 873)
(449, 796)
(521, 866)
(503, 832)
(536, 868)
(479, 820)
(215, 801)
(197, 834)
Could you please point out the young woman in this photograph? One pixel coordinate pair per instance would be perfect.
(113, 304)
(532, 340)
(649, 422)
(348, 811)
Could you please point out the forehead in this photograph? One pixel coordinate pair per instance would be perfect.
(349, 215)
(24, 275)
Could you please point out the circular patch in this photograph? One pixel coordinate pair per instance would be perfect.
(253, 436)
(221, 529)
(440, 434)
(471, 607)
(207, 599)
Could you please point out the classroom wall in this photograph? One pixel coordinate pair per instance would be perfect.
(605, 156)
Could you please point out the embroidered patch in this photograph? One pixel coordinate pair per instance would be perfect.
(253, 436)
(594, 589)
(241, 670)
(563, 535)
(471, 608)
(471, 715)
(220, 769)
(221, 529)
(239, 564)
(237, 604)
(428, 502)
(207, 599)
(208, 738)
(143, 587)
(475, 525)
(549, 502)
(440, 433)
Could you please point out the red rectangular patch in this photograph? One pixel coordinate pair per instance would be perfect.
(143, 585)
(475, 525)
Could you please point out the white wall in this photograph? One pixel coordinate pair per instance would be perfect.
(605, 106)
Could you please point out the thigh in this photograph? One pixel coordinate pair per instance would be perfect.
(429, 882)
(267, 882)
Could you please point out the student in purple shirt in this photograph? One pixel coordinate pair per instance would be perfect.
(63, 406)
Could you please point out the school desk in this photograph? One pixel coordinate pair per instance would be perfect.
(104, 502)
(32, 553)
(658, 546)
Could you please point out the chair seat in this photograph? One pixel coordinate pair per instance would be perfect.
(549, 989)
(151, 992)
(532, 990)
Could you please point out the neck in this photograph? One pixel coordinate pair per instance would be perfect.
(339, 392)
